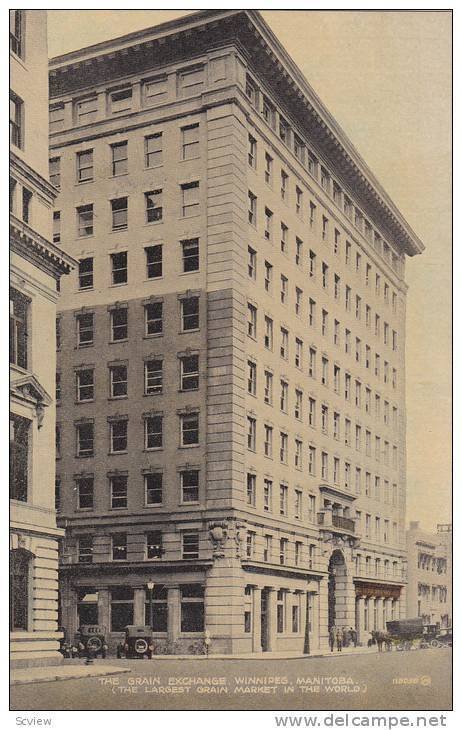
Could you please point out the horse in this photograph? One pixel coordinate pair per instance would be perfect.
(381, 638)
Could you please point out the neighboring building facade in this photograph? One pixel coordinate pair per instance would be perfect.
(231, 363)
(429, 591)
(36, 267)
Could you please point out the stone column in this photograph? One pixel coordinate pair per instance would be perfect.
(315, 627)
(69, 610)
(380, 625)
(256, 619)
(173, 613)
(362, 639)
(272, 618)
(68, 115)
(104, 613)
(139, 613)
(136, 96)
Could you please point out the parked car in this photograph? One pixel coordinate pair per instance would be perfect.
(90, 640)
(445, 636)
(137, 643)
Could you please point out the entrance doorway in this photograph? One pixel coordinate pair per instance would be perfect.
(336, 586)
(264, 620)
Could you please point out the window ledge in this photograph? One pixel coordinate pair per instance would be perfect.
(189, 446)
(81, 402)
(151, 337)
(117, 342)
(185, 332)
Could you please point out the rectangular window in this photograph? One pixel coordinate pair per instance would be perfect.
(119, 210)
(191, 80)
(84, 166)
(16, 121)
(153, 485)
(284, 289)
(284, 185)
(56, 118)
(299, 149)
(252, 209)
(85, 492)
(251, 263)
(189, 372)
(85, 544)
(152, 377)
(153, 261)
(119, 267)
(268, 224)
(190, 314)
(268, 169)
(251, 320)
(324, 466)
(190, 545)
(268, 112)
(189, 486)
(85, 385)
(153, 317)
(267, 495)
(284, 349)
(118, 436)
(251, 489)
(251, 433)
(155, 90)
(85, 220)
(19, 457)
(86, 110)
(189, 199)
(16, 32)
(283, 450)
(153, 150)
(284, 237)
(192, 605)
(85, 329)
(190, 251)
(86, 273)
(283, 490)
(252, 151)
(19, 305)
(284, 396)
(251, 377)
(153, 432)
(189, 428)
(190, 142)
(283, 130)
(120, 100)
(119, 550)
(118, 381)
(153, 206)
(85, 439)
(119, 324)
(56, 226)
(154, 551)
(268, 444)
(119, 491)
(268, 392)
(55, 171)
(312, 461)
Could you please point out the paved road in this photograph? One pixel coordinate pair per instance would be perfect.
(416, 680)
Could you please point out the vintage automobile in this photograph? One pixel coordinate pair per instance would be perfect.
(90, 641)
(137, 643)
(444, 637)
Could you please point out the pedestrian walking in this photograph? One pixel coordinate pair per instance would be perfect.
(354, 636)
(345, 636)
(332, 637)
(339, 636)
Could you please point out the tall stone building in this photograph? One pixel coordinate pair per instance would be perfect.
(231, 363)
(429, 556)
(36, 267)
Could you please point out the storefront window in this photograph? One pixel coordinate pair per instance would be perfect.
(121, 608)
(192, 608)
(159, 609)
(19, 589)
(87, 606)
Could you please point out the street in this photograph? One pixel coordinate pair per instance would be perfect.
(412, 680)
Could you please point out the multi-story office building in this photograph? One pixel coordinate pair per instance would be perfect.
(231, 364)
(429, 558)
(36, 268)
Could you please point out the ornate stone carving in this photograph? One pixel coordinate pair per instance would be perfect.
(218, 535)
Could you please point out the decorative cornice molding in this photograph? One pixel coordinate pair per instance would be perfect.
(40, 182)
(32, 246)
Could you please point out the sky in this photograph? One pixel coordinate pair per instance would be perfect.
(386, 78)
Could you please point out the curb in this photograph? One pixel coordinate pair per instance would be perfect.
(62, 677)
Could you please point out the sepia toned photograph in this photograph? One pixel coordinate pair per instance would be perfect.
(230, 360)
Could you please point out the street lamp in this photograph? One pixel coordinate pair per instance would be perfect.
(150, 586)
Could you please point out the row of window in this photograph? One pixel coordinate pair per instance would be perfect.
(156, 605)
(118, 379)
(154, 546)
(382, 490)
(118, 156)
(118, 434)
(369, 363)
(120, 100)
(154, 211)
(429, 562)
(119, 320)
(390, 415)
(317, 170)
(382, 452)
(154, 489)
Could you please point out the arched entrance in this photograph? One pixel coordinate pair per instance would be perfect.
(337, 587)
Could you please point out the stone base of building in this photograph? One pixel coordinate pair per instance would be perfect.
(32, 650)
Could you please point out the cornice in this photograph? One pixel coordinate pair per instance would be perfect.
(32, 246)
(40, 182)
(205, 30)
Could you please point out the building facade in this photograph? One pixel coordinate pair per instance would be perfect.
(36, 268)
(231, 363)
(429, 593)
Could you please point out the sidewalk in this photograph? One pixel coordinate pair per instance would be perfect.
(31, 675)
(317, 653)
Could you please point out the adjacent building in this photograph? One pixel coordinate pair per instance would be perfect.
(36, 267)
(231, 368)
(429, 591)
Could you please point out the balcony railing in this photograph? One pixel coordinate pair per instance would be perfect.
(339, 522)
